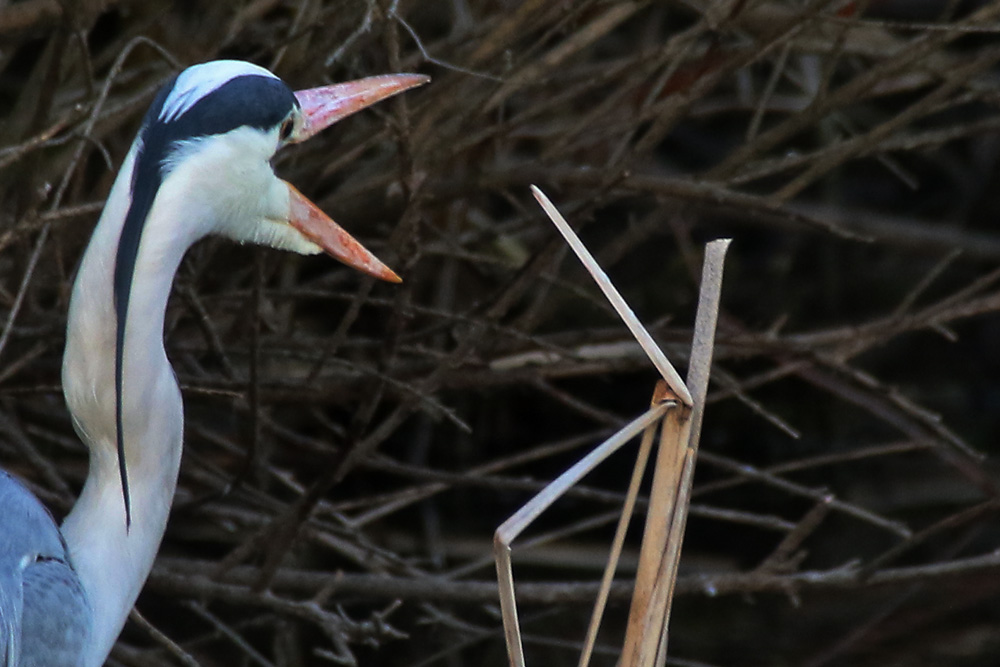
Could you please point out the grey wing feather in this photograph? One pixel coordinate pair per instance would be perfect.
(11, 608)
(44, 614)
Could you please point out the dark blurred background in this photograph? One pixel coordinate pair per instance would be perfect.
(352, 446)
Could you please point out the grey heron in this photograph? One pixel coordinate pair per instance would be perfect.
(201, 164)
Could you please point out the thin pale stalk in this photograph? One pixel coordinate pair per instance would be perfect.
(513, 526)
(703, 344)
(649, 346)
(673, 556)
(508, 605)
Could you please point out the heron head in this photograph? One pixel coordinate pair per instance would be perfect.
(211, 136)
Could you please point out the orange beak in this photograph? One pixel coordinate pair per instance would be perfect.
(322, 107)
(315, 225)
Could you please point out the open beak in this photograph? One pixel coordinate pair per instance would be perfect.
(322, 107)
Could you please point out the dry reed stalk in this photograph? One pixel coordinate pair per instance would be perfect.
(680, 425)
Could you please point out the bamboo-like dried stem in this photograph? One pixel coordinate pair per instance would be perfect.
(617, 543)
(646, 636)
(649, 601)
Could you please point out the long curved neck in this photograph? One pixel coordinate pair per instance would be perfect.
(112, 561)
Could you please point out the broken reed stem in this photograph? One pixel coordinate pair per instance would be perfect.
(628, 507)
(646, 634)
(508, 604)
(523, 518)
(649, 346)
(647, 631)
(660, 517)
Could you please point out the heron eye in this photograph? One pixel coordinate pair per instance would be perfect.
(286, 129)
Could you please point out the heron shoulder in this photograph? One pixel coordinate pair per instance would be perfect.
(44, 612)
(26, 524)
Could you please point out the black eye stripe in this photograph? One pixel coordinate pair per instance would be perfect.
(286, 129)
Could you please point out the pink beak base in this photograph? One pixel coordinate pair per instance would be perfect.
(315, 225)
(324, 106)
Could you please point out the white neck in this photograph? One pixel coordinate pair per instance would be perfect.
(113, 562)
